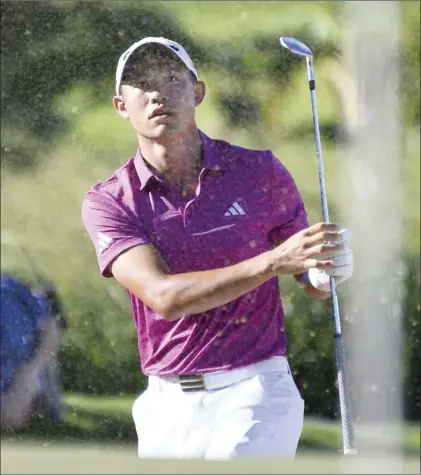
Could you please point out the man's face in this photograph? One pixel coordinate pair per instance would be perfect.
(158, 94)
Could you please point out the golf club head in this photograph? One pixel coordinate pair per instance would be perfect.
(295, 46)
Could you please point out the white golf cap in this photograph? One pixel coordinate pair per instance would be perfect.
(176, 48)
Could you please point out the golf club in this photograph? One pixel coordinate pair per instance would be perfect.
(297, 47)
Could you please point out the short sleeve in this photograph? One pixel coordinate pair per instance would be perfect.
(111, 227)
(288, 209)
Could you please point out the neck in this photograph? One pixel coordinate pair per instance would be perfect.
(177, 157)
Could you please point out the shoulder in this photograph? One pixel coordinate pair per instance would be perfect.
(115, 199)
(113, 194)
(260, 167)
(261, 162)
(239, 159)
(116, 185)
(236, 154)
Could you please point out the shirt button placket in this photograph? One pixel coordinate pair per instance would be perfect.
(197, 193)
(184, 212)
(183, 215)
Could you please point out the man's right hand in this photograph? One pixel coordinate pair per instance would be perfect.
(313, 247)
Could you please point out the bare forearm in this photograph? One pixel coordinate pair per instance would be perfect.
(196, 292)
(145, 273)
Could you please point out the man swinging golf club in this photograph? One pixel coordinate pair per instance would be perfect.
(198, 230)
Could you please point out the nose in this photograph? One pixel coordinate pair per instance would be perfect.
(157, 97)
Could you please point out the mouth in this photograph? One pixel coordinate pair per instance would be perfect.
(160, 112)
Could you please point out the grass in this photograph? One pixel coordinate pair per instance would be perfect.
(32, 458)
(108, 419)
(98, 437)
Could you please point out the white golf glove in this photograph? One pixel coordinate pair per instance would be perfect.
(342, 269)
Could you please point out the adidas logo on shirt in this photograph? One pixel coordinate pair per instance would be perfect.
(103, 242)
(235, 210)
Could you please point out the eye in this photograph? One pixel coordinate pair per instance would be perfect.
(173, 78)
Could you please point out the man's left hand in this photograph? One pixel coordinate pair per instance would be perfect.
(342, 270)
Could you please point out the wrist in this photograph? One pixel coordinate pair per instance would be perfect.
(276, 262)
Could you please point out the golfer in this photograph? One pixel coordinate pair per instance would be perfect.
(198, 231)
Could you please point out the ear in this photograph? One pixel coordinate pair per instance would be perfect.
(120, 106)
(199, 92)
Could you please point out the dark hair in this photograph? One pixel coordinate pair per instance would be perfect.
(150, 54)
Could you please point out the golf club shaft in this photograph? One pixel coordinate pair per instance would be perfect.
(31, 263)
(347, 426)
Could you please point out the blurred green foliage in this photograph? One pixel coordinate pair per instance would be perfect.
(60, 135)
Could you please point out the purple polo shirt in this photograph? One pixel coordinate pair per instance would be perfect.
(245, 199)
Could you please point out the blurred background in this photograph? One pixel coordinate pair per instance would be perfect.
(60, 135)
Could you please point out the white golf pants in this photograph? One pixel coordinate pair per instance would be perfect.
(259, 416)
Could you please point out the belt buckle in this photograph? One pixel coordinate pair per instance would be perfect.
(192, 382)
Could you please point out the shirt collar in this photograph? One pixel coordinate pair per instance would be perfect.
(212, 161)
(144, 173)
(212, 157)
